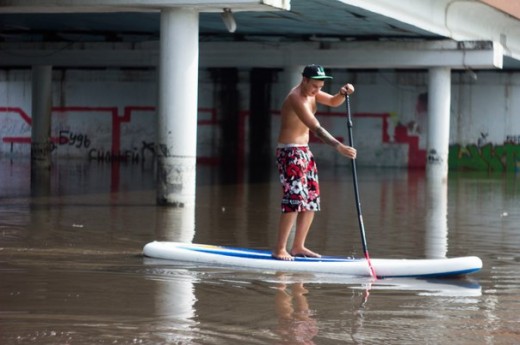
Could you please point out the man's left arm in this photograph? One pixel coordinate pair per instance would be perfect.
(337, 99)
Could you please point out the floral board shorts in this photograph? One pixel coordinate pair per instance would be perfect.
(299, 178)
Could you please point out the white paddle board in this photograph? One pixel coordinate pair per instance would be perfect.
(262, 260)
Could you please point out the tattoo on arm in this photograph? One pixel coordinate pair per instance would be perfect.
(326, 137)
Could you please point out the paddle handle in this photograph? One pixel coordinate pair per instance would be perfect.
(356, 193)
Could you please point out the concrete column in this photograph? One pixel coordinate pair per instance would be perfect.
(439, 100)
(436, 221)
(293, 76)
(177, 123)
(226, 101)
(261, 82)
(41, 145)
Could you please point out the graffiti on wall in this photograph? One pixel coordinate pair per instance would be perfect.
(109, 139)
(488, 157)
(482, 156)
(70, 138)
(101, 155)
(86, 140)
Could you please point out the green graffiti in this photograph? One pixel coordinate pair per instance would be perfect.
(496, 158)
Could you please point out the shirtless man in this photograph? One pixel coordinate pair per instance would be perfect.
(298, 173)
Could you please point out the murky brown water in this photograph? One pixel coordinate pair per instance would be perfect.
(72, 271)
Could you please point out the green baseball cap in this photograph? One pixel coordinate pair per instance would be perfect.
(315, 72)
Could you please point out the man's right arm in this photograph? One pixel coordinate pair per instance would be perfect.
(327, 138)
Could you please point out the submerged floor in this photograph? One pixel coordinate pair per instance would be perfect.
(72, 270)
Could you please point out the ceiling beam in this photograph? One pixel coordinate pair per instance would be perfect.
(359, 55)
(90, 6)
(460, 20)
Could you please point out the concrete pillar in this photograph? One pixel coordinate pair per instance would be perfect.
(293, 76)
(41, 145)
(260, 149)
(177, 123)
(436, 236)
(226, 101)
(439, 100)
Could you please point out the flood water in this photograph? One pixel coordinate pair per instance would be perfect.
(71, 269)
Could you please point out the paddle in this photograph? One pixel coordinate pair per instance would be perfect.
(356, 192)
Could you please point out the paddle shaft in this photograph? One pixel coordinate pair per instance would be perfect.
(356, 192)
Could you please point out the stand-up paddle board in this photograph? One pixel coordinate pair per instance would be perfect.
(262, 259)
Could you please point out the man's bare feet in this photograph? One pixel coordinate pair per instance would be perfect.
(304, 252)
(282, 255)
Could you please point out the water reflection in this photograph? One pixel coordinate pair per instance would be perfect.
(299, 322)
(296, 322)
(40, 181)
(175, 224)
(72, 273)
(193, 302)
(174, 304)
(175, 298)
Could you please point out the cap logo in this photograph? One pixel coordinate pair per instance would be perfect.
(315, 72)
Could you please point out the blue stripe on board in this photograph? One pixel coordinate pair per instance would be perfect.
(261, 254)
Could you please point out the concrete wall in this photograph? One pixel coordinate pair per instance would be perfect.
(106, 115)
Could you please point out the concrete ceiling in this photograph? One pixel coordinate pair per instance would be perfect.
(307, 20)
